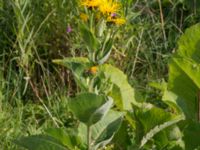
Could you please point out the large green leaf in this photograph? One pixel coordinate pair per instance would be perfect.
(122, 138)
(89, 108)
(68, 137)
(184, 83)
(184, 72)
(152, 120)
(122, 93)
(170, 139)
(40, 142)
(103, 131)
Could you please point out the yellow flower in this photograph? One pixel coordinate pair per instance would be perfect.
(91, 3)
(93, 70)
(84, 17)
(117, 21)
(109, 7)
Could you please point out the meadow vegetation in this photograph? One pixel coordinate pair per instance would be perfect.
(146, 42)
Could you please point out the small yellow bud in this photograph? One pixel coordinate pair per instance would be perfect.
(93, 70)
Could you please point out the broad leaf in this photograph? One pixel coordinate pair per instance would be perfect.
(151, 120)
(157, 129)
(89, 108)
(103, 131)
(162, 141)
(184, 72)
(68, 137)
(122, 93)
(40, 142)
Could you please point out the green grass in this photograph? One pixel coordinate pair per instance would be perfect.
(33, 91)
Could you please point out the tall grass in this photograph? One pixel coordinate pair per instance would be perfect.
(30, 92)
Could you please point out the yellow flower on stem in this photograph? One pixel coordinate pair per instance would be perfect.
(108, 7)
(93, 70)
(91, 3)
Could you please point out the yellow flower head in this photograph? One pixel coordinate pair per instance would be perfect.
(109, 7)
(90, 3)
(117, 21)
(84, 17)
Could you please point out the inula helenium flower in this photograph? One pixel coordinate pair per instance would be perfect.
(109, 7)
(91, 3)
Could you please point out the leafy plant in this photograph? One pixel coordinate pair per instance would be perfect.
(104, 98)
(184, 84)
(184, 80)
(98, 126)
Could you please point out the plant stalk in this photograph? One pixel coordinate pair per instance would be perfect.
(88, 137)
(198, 106)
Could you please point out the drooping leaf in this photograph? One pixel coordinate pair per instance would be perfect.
(78, 65)
(89, 108)
(103, 131)
(101, 111)
(40, 142)
(122, 93)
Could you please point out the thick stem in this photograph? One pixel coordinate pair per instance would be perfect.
(88, 137)
(198, 106)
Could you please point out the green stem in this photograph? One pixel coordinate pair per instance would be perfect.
(88, 137)
(199, 106)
